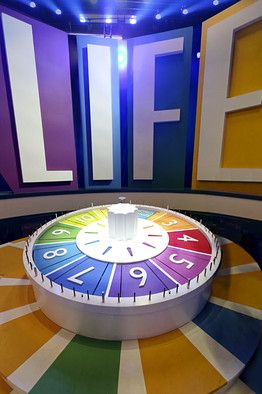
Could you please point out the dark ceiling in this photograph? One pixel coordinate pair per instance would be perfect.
(98, 10)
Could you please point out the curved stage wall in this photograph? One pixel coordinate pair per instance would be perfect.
(222, 204)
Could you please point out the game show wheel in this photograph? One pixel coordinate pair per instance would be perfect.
(169, 250)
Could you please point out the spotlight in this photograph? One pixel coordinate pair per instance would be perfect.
(32, 4)
(198, 55)
(132, 20)
(58, 11)
(158, 16)
(108, 20)
(82, 19)
(185, 11)
(215, 2)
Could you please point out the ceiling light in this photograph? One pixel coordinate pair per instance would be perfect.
(108, 20)
(32, 4)
(158, 16)
(82, 19)
(185, 11)
(215, 2)
(58, 11)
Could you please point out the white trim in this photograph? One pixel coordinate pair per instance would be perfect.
(239, 269)
(19, 245)
(14, 282)
(224, 241)
(110, 280)
(131, 377)
(240, 308)
(12, 314)
(239, 387)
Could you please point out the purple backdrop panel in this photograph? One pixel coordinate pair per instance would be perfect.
(132, 281)
(53, 73)
(186, 263)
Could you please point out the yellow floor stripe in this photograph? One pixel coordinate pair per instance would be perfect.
(4, 388)
(20, 240)
(22, 337)
(242, 288)
(234, 255)
(170, 359)
(11, 262)
(14, 296)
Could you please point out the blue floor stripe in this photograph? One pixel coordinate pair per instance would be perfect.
(238, 333)
(252, 375)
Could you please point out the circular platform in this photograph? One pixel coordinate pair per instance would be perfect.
(204, 356)
(106, 288)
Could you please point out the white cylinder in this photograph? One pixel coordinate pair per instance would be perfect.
(122, 221)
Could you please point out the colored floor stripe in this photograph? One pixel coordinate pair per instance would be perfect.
(234, 255)
(4, 387)
(224, 241)
(245, 310)
(20, 240)
(5, 245)
(222, 324)
(19, 245)
(222, 360)
(85, 366)
(252, 375)
(11, 265)
(242, 288)
(14, 296)
(28, 374)
(239, 388)
(239, 269)
(171, 364)
(131, 378)
(12, 314)
(14, 282)
(22, 337)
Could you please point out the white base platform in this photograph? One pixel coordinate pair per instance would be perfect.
(122, 322)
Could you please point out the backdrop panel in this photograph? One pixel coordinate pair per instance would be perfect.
(229, 115)
(158, 100)
(100, 111)
(37, 150)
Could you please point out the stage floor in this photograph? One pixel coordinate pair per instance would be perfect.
(201, 357)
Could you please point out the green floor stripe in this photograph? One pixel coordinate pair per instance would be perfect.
(85, 366)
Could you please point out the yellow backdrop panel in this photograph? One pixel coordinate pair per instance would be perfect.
(243, 129)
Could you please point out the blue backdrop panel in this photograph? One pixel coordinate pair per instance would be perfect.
(171, 90)
(82, 42)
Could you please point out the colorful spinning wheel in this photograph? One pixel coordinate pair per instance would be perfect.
(171, 259)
